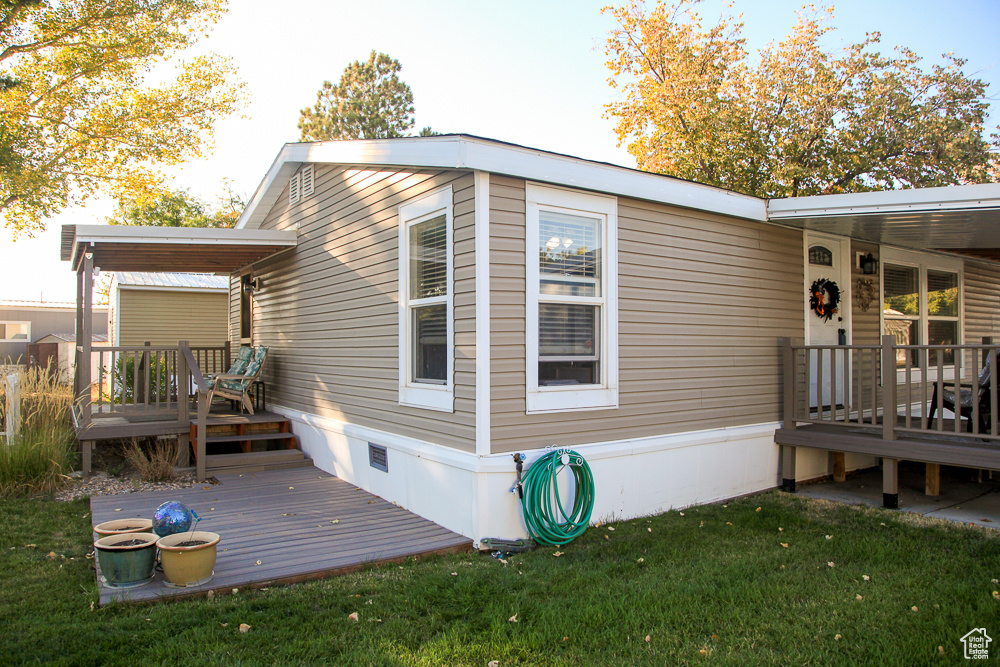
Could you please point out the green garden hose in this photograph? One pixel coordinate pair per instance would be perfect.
(541, 502)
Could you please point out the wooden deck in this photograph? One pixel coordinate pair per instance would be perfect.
(285, 520)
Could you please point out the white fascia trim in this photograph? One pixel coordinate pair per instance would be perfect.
(503, 462)
(957, 197)
(482, 231)
(179, 235)
(166, 288)
(462, 152)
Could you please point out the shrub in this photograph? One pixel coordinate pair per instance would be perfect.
(155, 462)
(44, 451)
(157, 377)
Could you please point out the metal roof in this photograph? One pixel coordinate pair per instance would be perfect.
(33, 305)
(199, 281)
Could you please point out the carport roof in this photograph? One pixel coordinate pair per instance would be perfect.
(170, 249)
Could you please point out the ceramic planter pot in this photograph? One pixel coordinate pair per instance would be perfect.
(126, 559)
(119, 526)
(186, 566)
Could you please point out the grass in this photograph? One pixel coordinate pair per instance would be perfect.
(44, 451)
(711, 586)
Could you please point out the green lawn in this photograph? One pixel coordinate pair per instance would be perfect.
(713, 586)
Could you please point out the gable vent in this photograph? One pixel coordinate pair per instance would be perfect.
(307, 181)
(294, 188)
(378, 457)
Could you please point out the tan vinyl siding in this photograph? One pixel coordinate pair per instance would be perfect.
(329, 308)
(164, 317)
(703, 300)
(982, 301)
(865, 324)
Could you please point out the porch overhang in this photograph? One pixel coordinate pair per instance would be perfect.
(171, 249)
(963, 219)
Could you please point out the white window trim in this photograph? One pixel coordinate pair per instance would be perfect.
(16, 340)
(569, 398)
(922, 262)
(419, 394)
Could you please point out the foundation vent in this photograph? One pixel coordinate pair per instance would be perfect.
(378, 457)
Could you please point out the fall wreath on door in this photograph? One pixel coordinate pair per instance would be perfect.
(824, 297)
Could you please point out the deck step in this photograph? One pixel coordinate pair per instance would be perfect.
(249, 436)
(256, 461)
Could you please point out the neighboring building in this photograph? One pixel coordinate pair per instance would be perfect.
(24, 322)
(164, 308)
(58, 351)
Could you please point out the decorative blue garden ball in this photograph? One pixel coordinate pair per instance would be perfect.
(171, 517)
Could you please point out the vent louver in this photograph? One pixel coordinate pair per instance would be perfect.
(378, 457)
(307, 181)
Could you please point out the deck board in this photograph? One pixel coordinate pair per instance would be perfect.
(283, 518)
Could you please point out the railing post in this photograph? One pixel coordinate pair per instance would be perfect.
(142, 373)
(183, 405)
(788, 369)
(888, 388)
(202, 431)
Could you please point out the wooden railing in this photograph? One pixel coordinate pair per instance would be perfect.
(892, 387)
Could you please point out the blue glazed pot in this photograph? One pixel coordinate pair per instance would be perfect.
(126, 565)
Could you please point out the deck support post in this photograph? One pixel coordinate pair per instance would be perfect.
(932, 479)
(183, 450)
(87, 457)
(202, 432)
(839, 466)
(788, 468)
(890, 483)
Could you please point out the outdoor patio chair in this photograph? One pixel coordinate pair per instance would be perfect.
(235, 384)
(965, 398)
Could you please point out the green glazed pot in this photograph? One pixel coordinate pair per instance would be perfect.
(126, 565)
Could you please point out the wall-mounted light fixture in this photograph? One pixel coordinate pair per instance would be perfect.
(251, 285)
(869, 265)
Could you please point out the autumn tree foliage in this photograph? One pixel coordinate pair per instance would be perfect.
(370, 102)
(178, 208)
(81, 107)
(798, 119)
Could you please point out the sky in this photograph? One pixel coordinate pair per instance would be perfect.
(530, 73)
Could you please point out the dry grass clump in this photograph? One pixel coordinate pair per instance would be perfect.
(43, 453)
(155, 462)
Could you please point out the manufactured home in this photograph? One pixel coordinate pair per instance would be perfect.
(434, 305)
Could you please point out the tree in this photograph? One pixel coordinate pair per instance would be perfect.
(76, 110)
(178, 208)
(799, 121)
(370, 102)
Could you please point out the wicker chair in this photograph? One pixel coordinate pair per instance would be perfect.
(235, 384)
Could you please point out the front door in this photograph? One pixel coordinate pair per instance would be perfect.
(827, 268)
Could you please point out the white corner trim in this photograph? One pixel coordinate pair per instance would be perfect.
(483, 365)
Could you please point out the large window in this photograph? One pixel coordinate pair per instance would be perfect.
(572, 300)
(921, 301)
(425, 278)
(15, 331)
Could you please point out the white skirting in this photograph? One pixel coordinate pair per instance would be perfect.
(471, 495)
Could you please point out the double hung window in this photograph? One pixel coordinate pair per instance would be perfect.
(425, 296)
(572, 300)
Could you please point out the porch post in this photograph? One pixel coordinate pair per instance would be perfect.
(78, 332)
(888, 388)
(890, 483)
(788, 371)
(87, 331)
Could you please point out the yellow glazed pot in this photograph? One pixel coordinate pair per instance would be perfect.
(188, 565)
(119, 526)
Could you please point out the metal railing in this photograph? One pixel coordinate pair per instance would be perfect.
(916, 389)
